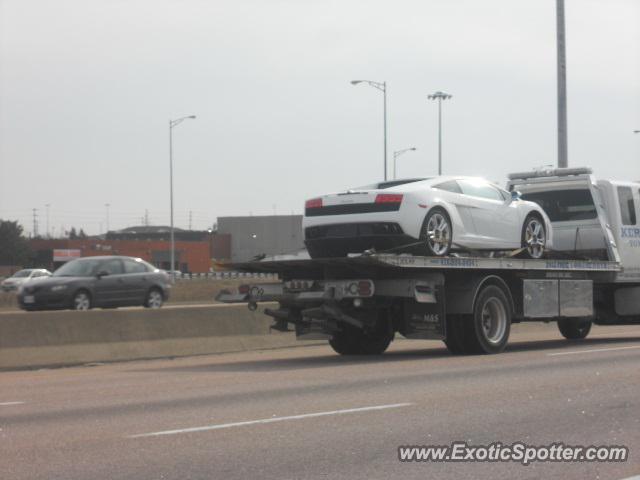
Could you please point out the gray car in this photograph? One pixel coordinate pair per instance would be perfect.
(106, 282)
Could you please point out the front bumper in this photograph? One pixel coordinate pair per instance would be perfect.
(43, 300)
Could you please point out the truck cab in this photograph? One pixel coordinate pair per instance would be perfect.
(592, 219)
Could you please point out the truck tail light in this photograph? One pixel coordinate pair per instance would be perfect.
(364, 288)
(388, 198)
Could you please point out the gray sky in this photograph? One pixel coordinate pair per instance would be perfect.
(87, 88)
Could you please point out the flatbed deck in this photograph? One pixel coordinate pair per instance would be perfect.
(318, 266)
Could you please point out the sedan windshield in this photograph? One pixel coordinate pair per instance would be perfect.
(78, 268)
(21, 274)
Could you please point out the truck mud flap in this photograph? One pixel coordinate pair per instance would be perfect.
(425, 320)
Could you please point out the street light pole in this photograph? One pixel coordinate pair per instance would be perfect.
(563, 161)
(382, 86)
(440, 96)
(173, 123)
(396, 154)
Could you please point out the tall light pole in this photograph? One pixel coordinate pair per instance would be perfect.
(396, 154)
(440, 96)
(106, 206)
(563, 160)
(382, 86)
(173, 123)
(48, 231)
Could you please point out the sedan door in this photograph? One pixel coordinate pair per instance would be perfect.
(110, 289)
(495, 216)
(137, 282)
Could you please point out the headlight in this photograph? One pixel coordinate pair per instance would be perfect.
(57, 288)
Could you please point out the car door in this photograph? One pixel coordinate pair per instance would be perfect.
(136, 279)
(110, 288)
(451, 193)
(495, 216)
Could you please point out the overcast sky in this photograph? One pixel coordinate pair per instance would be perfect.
(87, 89)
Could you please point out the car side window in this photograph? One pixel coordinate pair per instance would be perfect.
(627, 206)
(112, 267)
(450, 186)
(480, 190)
(131, 266)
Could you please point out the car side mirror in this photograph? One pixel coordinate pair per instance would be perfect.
(515, 195)
(102, 273)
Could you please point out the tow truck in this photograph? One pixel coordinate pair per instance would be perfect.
(469, 301)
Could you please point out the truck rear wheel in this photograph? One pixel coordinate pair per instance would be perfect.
(353, 341)
(455, 334)
(488, 329)
(574, 328)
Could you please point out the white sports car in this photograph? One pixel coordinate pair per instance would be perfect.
(432, 216)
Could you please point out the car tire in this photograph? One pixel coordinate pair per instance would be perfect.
(534, 237)
(574, 328)
(81, 300)
(437, 232)
(353, 341)
(487, 330)
(154, 298)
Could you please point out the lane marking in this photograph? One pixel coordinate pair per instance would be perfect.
(595, 350)
(6, 404)
(270, 420)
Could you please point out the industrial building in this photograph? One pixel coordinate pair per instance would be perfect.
(259, 236)
(237, 239)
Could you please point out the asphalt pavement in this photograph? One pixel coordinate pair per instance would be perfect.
(308, 413)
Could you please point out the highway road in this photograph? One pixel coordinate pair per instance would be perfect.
(308, 413)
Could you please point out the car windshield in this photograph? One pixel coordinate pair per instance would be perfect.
(78, 268)
(22, 274)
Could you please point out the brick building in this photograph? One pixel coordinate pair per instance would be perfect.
(191, 256)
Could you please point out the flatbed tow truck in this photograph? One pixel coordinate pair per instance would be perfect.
(469, 302)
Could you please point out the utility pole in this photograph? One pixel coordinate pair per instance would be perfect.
(563, 160)
(35, 222)
(190, 219)
(48, 231)
(146, 217)
(107, 205)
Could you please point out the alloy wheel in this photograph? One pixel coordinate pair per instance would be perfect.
(438, 233)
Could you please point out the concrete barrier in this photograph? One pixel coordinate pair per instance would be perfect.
(59, 338)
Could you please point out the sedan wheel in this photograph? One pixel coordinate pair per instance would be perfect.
(438, 233)
(81, 301)
(534, 237)
(154, 299)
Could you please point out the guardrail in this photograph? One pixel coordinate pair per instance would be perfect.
(225, 276)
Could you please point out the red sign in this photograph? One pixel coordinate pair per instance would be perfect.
(64, 254)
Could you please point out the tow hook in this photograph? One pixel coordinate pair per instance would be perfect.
(252, 306)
